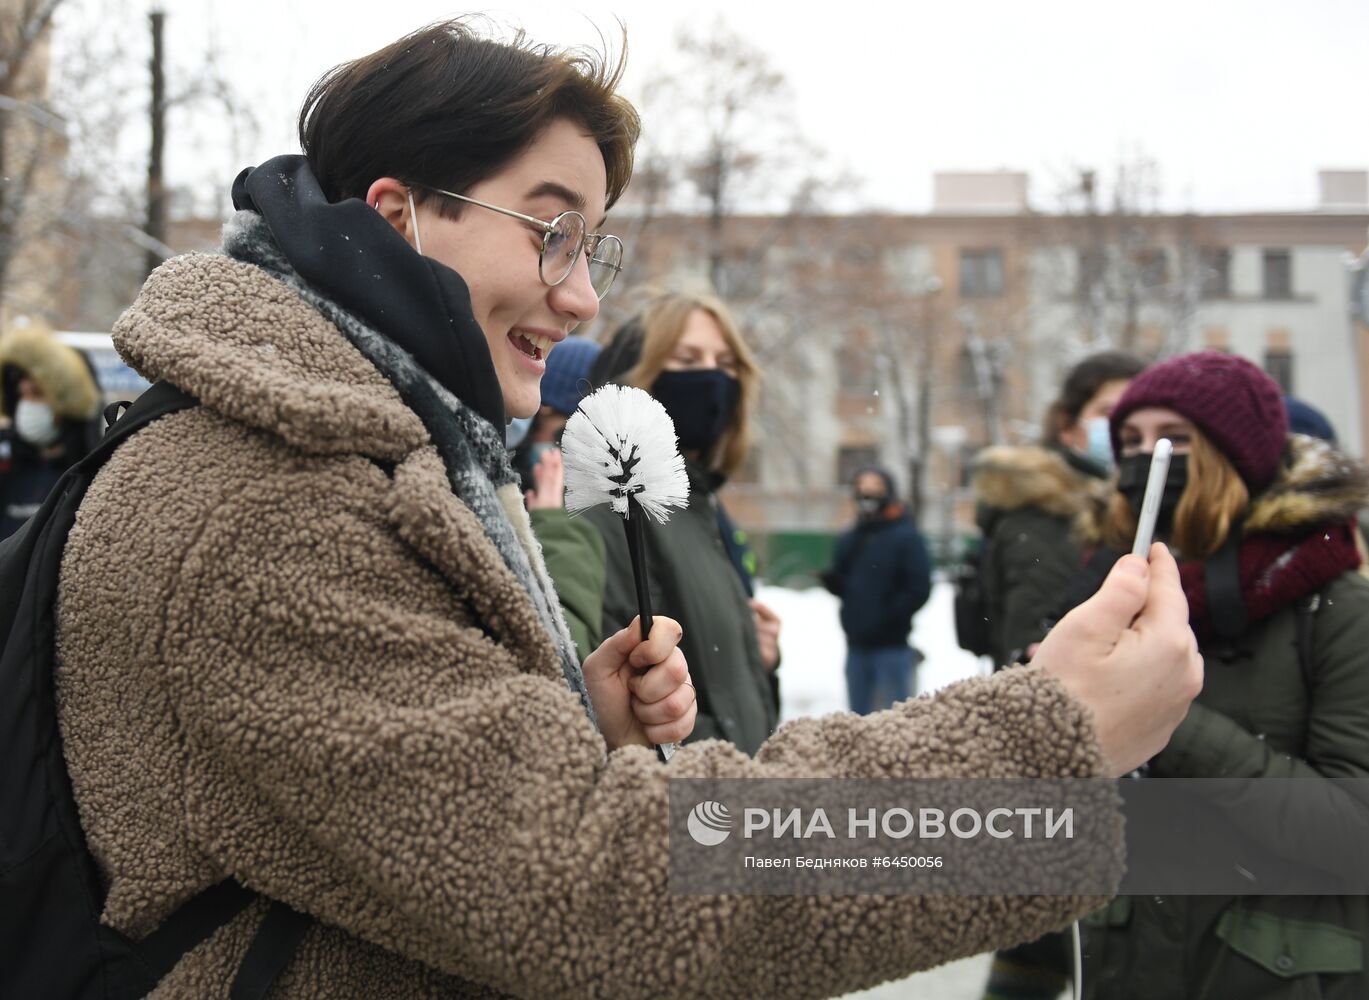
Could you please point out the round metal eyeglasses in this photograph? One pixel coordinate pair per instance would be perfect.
(563, 240)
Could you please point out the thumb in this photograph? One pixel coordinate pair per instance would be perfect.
(1110, 612)
(613, 652)
(625, 640)
(1166, 604)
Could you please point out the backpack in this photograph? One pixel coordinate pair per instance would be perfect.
(973, 629)
(52, 943)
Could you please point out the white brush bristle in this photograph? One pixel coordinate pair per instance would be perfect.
(616, 426)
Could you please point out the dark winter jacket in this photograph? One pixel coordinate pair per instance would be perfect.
(883, 575)
(574, 554)
(739, 550)
(26, 477)
(1258, 717)
(694, 582)
(28, 473)
(1027, 499)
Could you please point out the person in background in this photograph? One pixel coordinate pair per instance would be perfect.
(1262, 523)
(573, 550)
(50, 400)
(687, 352)
(1028, 497)
(883, 575)
(564, 384)
(1304, 418)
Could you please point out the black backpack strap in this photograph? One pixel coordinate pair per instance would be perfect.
(162, 398)
(1222, 577)
(197, 918)
(274, 945)
(114, 411)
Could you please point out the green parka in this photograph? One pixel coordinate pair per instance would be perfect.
(1027, 499)
(574, 554)
(1258, 717)
(694, 582)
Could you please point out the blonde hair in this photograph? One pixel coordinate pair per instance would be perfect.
(662, 321)
(1213, 499)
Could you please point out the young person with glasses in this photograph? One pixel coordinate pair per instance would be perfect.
(307, 643)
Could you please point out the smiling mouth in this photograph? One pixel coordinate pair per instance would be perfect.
(534, 346)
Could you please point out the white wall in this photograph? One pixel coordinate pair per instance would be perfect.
(1317, 319)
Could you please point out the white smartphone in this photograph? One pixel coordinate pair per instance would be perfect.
(1155, 490)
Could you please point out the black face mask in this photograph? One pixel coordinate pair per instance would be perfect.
(701, 403)
(1131, 483)
(870, 505)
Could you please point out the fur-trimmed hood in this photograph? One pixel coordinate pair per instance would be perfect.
(1316, 484)
(60, 371)
(1012, 477)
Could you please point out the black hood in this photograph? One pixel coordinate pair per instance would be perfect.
(350, 254)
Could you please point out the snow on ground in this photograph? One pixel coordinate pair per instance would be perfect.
(812, 671)
(813, 682)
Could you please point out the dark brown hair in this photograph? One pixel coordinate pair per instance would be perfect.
(446, 108)
(1082, 384)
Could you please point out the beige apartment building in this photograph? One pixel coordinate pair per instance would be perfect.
(915, 340)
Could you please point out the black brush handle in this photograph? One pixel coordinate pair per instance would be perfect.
(635, 526)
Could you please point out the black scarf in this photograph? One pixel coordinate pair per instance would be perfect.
(352, 256)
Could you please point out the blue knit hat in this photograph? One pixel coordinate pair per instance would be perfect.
(566, 379)
(1304, 418)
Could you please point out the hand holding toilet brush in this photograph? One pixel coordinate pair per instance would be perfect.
(619, 448)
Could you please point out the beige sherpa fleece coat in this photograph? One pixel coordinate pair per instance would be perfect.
(279, 664)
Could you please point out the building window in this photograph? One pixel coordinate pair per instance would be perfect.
(1152, 267)
(856, 371)
(981, 274)
(1278, 362)
(853, 457)
(1216, 273)
(1150, 339)
(1278, 274)
(1216, 338)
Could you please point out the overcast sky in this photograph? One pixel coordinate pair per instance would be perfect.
(1239, 101)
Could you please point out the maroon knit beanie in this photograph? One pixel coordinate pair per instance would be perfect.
(1236, 405)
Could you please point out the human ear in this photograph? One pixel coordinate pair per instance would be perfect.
(390, 198)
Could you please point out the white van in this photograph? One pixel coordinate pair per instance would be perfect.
(115, 379)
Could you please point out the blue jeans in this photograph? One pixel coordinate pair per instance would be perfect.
(876, 678)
